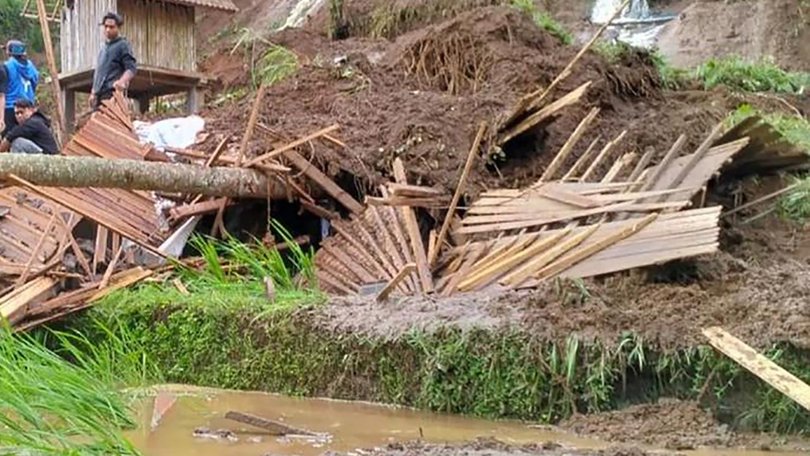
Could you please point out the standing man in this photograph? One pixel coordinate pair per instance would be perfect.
(116, 65)
(21, 77)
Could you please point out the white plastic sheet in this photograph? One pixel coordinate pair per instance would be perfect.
(179, 132)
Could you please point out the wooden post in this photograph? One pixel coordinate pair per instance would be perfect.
(46, 38)
(193, 100)
(68, 98)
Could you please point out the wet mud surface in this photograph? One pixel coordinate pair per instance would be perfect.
(492, 447)
(670, 423)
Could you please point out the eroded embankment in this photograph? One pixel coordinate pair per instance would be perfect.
(569, 347)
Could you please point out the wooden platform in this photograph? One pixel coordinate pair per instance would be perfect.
(149, 82)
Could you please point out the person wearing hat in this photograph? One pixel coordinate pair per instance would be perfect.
(116, 64)
(21, 77)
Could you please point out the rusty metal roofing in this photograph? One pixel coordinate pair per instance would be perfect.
(224, 5)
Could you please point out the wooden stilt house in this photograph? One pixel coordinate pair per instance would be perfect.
(162, 35)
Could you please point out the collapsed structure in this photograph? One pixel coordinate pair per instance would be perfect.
(603, 210)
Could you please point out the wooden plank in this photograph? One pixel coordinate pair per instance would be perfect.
(329, 186)
(290, 146)
(45, 233)
(768, 371)
(544, 113)
(272, 427)
(602, 155)
(14, 303)
(251, 126)
(389, 246)
(400, 238)
(584, 158)
(575, 257)
(416, 191)
(568, 147)
(569, 198)
(482, 128)
(127, 278)
(483, 277)
(394, 282)
(412, 228)
(531, 267)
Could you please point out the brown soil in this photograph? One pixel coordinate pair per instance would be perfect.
(670, 423)
(492, 447)
(752, 29)
(389, 107)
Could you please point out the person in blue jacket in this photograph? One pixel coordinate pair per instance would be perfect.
(21, 80)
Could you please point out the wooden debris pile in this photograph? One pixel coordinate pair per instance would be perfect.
(607, 212)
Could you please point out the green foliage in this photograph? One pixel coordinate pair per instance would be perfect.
(15, 26)
(760, 76)
(672, 78)
(544, 20)
(276, 64)
(54, 407)
(612, 51)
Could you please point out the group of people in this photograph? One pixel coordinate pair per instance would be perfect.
(24, 128)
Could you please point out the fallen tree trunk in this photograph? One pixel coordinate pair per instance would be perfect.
(62, 171)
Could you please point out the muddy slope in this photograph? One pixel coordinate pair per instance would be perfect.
(390, 104)
(751, 29)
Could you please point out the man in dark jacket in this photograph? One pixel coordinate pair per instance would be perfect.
(33, 133)
(116, 64)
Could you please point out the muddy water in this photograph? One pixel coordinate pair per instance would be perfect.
(341, 426)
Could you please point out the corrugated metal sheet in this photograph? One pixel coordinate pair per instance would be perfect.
(224, 5)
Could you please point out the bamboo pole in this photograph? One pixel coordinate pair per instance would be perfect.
(49, 54)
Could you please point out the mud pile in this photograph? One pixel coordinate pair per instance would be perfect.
(421, 97)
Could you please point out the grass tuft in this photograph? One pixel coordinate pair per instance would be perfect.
(544, 20)
(52, 406)
(759, 76)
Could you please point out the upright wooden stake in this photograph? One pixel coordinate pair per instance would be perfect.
(482, 128)
(57, 90)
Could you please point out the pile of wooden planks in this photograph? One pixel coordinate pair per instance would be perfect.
(606, 212)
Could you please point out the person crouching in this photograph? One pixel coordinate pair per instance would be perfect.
(32, 134)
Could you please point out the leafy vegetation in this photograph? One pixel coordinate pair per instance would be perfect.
(15, 26)
(270, 63)
(742, 75)
(65, 400)
(544, 20)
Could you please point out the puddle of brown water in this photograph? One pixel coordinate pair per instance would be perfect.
(349, 425)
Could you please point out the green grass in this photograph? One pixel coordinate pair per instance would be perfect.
(747, 76)
(270, 63)
(65, 400)
(544, 20)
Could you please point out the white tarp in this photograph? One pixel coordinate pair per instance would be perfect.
(176, 132)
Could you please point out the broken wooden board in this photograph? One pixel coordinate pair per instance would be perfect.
(23, 226)
(668, 237)
(14, 306)
(771, 373)
(369, 249)
(271, 426)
